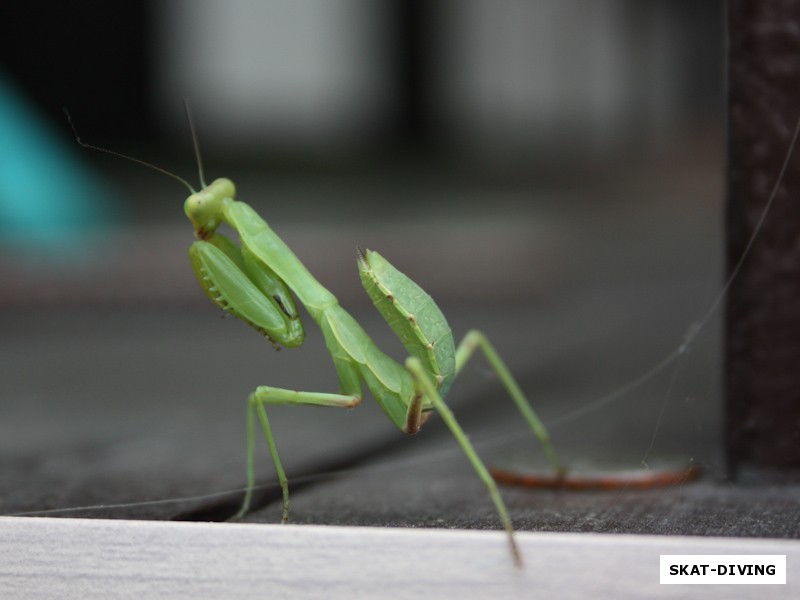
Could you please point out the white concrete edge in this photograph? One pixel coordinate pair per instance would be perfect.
(93, 558)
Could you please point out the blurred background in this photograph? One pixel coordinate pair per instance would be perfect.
(550, 171)
(440, 114)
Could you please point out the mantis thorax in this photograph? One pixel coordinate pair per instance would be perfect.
(204, 208)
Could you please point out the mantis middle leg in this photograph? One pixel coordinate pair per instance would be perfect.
(262, 396)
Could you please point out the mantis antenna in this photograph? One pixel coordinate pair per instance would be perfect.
(136, 160)
(195, 142)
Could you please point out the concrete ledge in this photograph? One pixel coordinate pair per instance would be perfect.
(77, 558)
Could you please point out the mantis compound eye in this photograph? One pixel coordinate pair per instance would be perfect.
(204, 208)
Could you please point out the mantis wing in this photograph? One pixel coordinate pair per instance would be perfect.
(413, 316)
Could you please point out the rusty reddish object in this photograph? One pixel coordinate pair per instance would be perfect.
(636, 479)
(762, 346)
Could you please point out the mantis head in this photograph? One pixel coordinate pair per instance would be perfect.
(204, 208)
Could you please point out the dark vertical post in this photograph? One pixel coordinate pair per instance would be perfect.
(412, 23)
(762, 381)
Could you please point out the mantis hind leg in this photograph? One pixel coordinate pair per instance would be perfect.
(427, 387)
(256, 408)
(476, 339)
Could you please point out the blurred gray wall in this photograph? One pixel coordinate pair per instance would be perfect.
(550, 74)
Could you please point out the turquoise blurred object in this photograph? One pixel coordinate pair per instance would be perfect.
(48, 198)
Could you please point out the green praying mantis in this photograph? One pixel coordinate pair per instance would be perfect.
(258, 280)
